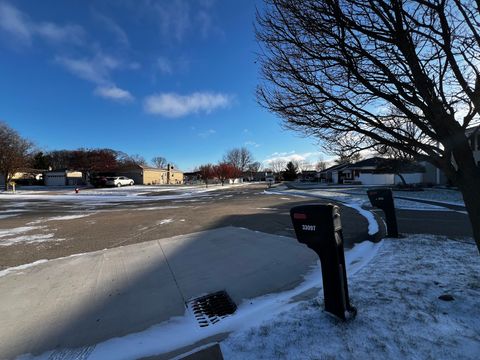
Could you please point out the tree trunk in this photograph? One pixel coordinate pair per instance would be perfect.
(402, 178)
(5, 176)
(467, 178)
(470, 188)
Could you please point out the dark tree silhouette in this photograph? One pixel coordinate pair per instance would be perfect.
(363, 74)
(14, 152)
(290, 172)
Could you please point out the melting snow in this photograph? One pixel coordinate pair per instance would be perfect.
(164, 221)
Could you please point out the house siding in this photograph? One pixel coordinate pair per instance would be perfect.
(410, 178)
(376, 179)
(150, 176)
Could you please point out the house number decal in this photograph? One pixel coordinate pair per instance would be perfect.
(308, 227)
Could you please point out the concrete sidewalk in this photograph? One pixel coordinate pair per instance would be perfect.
(82, 300)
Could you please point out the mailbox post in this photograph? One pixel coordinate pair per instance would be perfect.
(383, 199)
(320, 228)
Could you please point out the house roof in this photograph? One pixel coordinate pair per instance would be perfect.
(372, 162)
(335, 167)
(387, 166)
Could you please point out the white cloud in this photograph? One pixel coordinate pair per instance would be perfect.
(97, 70)
(14, 22)
(52, 32)
(88, 69)
(22, 28)
(175, 105)
(251, 143)
(207, 133)
(114, 93)
(309, 157)
(173, 17)
(164, 65)
(179, 19)
(113, 27)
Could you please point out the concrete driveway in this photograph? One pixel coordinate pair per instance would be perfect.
(82, 300)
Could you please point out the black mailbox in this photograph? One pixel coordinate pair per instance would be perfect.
(383, 199)
(320, 228)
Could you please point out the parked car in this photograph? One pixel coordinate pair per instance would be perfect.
(119, 181)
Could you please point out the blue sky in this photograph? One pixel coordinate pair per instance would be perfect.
(169, 78)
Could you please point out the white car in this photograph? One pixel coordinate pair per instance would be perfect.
(119, 181)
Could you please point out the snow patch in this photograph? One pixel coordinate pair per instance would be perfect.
(4, 216)
(36, 238)
(164, 221)
(399, 313)
(183, 331)
(372, 222)
(21, 267)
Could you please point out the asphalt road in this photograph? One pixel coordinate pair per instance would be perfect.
(110, 224)
(113, 224)
(449, 223)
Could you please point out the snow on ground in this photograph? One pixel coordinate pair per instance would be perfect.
(358, 197)
(61, 218)
(164, 221)
(4, 216)
(441, 195)
(105, 196)
(395, 286)
(17, 269)
(399, 313)
(24, 234)
(355, 203)
(183, 331)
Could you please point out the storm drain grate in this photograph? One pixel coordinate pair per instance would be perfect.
(211, 308)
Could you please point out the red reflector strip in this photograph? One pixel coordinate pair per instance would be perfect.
(299, 216)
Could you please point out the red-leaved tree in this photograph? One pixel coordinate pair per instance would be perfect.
(224, 171)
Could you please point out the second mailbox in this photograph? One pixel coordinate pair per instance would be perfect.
(383, 199)
(320, 228)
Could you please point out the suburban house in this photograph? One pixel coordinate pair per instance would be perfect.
(309, 175)
(145, 175)
(374, 171)
(332, 174)
(63, 177)
(434, 175)
(25, 176)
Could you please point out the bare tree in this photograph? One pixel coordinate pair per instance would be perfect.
(302, 165)
(126, 160)
(344, 157)
(364, 74)
(14, 152)
(321, 164)
(277, 165)
(159, 162)
(241, 158)
(254, 167)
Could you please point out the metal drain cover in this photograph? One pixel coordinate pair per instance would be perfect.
(211, 308)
